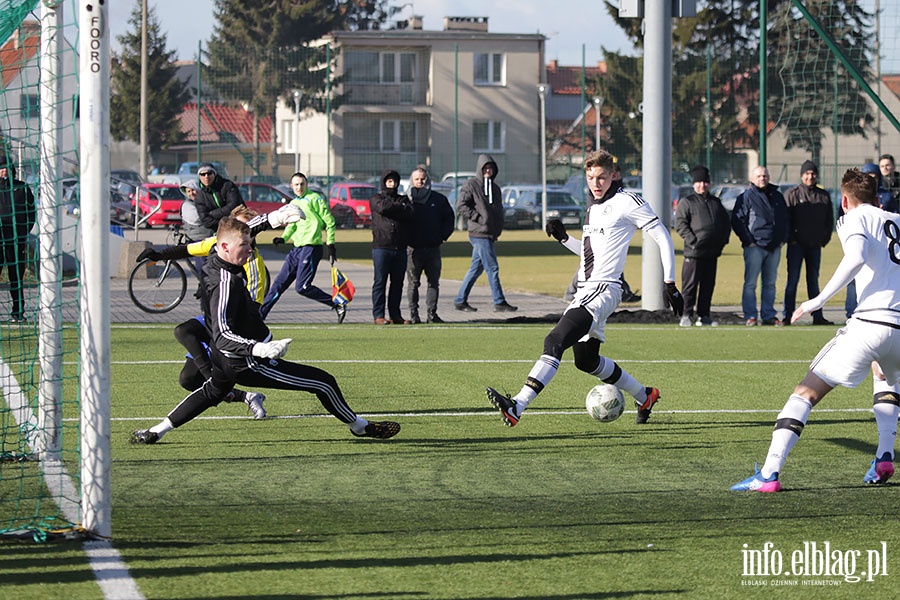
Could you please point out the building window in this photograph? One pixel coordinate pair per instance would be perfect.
(287, 136)
(380, 67)
(488, 136)
(398, 136)
(30, 106)
(490, 69)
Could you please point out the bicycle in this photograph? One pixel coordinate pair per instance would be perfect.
(166, 285)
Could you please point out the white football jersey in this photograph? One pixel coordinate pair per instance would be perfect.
(608, 229)
(878, 282)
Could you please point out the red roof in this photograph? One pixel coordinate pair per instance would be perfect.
(567, 80)
(219, 122)
(21, 47)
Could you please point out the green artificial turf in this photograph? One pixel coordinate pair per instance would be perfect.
(457, 505)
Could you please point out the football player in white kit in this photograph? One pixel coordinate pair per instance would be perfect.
(612, 219)
(871, 241)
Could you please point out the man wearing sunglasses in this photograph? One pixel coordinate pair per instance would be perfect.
(216, 198)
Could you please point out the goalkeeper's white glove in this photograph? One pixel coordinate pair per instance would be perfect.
(289, 213)
(273, 349)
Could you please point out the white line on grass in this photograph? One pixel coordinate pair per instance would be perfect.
(440, 361)
(109, 569)
(483, 413)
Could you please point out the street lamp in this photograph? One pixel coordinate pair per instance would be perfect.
(543, 89)
(297, 95)
(598, 102)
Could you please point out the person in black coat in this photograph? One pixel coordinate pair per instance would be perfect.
(217, 196)
(705, 226)
(17, 217)
(392, 219)
(433, 222)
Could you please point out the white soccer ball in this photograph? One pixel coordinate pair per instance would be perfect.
(605, 403)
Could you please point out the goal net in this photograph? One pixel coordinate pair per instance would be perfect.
(40, 456)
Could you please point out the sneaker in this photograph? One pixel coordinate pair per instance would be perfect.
(341, 311)
(643, 413)
(144, 436)
(881, 470)
(685, 321)
(822, 321)
(706, 322)
(505, 307)
(382, 321)
(254, 401)
(751, 322)
(434, 319)
(758, 483)
(465, 307)
(379, 429)
(774, 321)
(415, 319)
(506, 405)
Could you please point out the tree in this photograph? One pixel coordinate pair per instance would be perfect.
(166, 95)
(812, 91)
(261, 51)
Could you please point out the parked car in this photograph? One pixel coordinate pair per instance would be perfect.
(262, 197)
(459, 176)
(168, 197)
(126, 175)
(524, 206)
(356, 196)
(190, 168)
(728, 192)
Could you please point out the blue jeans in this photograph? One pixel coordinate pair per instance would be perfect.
(483, 259)
(759, 261)
(796, 256)
(300, 265)
(389, 265)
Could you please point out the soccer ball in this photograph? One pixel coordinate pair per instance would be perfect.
(605, 403)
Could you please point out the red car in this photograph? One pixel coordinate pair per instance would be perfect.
(166, 195)
(262, 197)
(355, 196)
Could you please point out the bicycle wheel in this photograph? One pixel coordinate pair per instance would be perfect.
(162, 291)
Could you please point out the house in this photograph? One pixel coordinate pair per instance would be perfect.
(416, 96)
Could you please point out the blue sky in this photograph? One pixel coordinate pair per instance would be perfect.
(579, 24)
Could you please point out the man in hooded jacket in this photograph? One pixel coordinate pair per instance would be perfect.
(17, 217)
(392, 218)
(481, 204)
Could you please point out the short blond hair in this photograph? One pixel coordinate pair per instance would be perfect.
(242, 212)
(600, 158)
(229, 226)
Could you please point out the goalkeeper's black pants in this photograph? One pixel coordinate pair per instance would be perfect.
(257, 373)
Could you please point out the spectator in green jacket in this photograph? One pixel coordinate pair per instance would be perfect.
(302, 261)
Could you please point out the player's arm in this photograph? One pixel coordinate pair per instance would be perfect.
(661, 236)
(557, 231)
(203, 247)
(853, 261)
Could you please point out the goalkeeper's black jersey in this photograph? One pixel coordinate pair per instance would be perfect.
(231, 314)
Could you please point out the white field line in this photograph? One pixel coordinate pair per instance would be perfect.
(111, 572)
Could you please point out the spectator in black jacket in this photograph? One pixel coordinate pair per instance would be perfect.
(705, 226)
(481, 203)
(243, 351)
(217, 196)
(17, 217)
(392, 218)
(811, 217)
(433, 222)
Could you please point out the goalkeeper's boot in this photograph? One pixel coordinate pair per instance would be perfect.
(643, 412)
(381, 430)
(881, 470)
(254, 401)
(758, 483)
(341, 310)
(506, 405)
(144, 436)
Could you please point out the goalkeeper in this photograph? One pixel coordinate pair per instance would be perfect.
(243, 350)
(613, 217)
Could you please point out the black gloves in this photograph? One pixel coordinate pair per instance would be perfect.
(149, 253)
(332, 252)
(277, 241)
(674, 299)
(557, 230)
